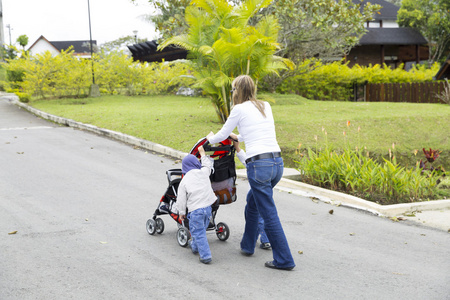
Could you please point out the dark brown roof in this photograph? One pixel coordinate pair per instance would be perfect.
(78, 46)
(392, 36)
(388, 10)
(444, 71)
(147, 51)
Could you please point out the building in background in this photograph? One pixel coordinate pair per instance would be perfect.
(81, 48)
(387, 43)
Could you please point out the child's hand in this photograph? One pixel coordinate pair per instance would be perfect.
(182, 217)
(210, 134)
(201, 150)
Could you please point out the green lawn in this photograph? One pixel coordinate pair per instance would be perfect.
(178, 122)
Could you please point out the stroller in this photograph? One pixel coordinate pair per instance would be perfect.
(223, 182)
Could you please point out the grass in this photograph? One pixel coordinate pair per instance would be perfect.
(178, 122)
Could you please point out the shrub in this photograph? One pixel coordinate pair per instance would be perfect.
(444, 96)
(354, 172)
(65, 75)
(335, 81)
(23, 97)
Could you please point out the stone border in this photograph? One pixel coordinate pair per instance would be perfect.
(336, 198)
(285, 184)
(101, 131)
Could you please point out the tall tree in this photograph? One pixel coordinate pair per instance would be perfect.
(222, 45)
(120, 44)
(169, 17)
(432, 19)
(22, 40)
(323, 29)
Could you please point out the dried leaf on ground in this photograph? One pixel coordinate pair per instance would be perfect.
(314, 199)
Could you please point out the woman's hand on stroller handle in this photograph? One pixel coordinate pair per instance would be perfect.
(233, 137)
(182, 217)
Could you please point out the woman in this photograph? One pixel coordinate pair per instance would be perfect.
(255, 123)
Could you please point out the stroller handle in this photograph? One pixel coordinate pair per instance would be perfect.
(207, 146)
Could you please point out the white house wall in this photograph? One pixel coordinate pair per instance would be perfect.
(41, 46)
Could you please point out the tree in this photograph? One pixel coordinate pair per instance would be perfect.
(321, 29)
(22, 40)
(169, 18)
(222, 45)
(120, 44)
(432, 19)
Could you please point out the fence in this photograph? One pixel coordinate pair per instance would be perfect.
(423, 92)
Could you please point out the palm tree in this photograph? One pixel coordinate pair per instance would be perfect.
(222, 45)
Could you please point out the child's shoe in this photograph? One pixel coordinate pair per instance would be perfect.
(164, 208)
(206, 260)
(190, 246)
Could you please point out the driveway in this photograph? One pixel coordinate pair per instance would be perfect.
(73, 208)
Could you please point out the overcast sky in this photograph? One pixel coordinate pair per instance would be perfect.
(68, 20)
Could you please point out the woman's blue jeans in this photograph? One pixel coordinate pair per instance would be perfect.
(198, 222)
(263, 175)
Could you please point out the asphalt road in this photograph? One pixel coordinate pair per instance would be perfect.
(79, 203)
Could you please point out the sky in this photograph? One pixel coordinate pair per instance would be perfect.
(68, 20)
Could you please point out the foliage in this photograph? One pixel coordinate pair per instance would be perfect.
(222, 45)
(432, 19)
(9, 52)
(169, 18)
(120, 44)
(23, 97)
(22, 40)
(322, 29)
(354, 172)
(431, 156)
(44, 75)
(444, 96)
(315, 80)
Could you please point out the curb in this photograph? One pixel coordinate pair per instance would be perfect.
(101, 131)
(285, 184)
(338, 199)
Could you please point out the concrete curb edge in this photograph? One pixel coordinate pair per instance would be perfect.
(101, 131)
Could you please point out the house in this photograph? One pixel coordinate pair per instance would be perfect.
(147, 51)
(81, 48)
(386, 42)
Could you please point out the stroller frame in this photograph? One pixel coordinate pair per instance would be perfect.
(174, 176)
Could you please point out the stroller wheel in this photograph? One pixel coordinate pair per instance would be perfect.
(222, 231)
(159, 225)
(183, 236)
(151, 226)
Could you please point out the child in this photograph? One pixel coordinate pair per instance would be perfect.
(263, 237)
(195, 193)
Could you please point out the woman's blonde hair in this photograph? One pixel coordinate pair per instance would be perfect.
(244, 89)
